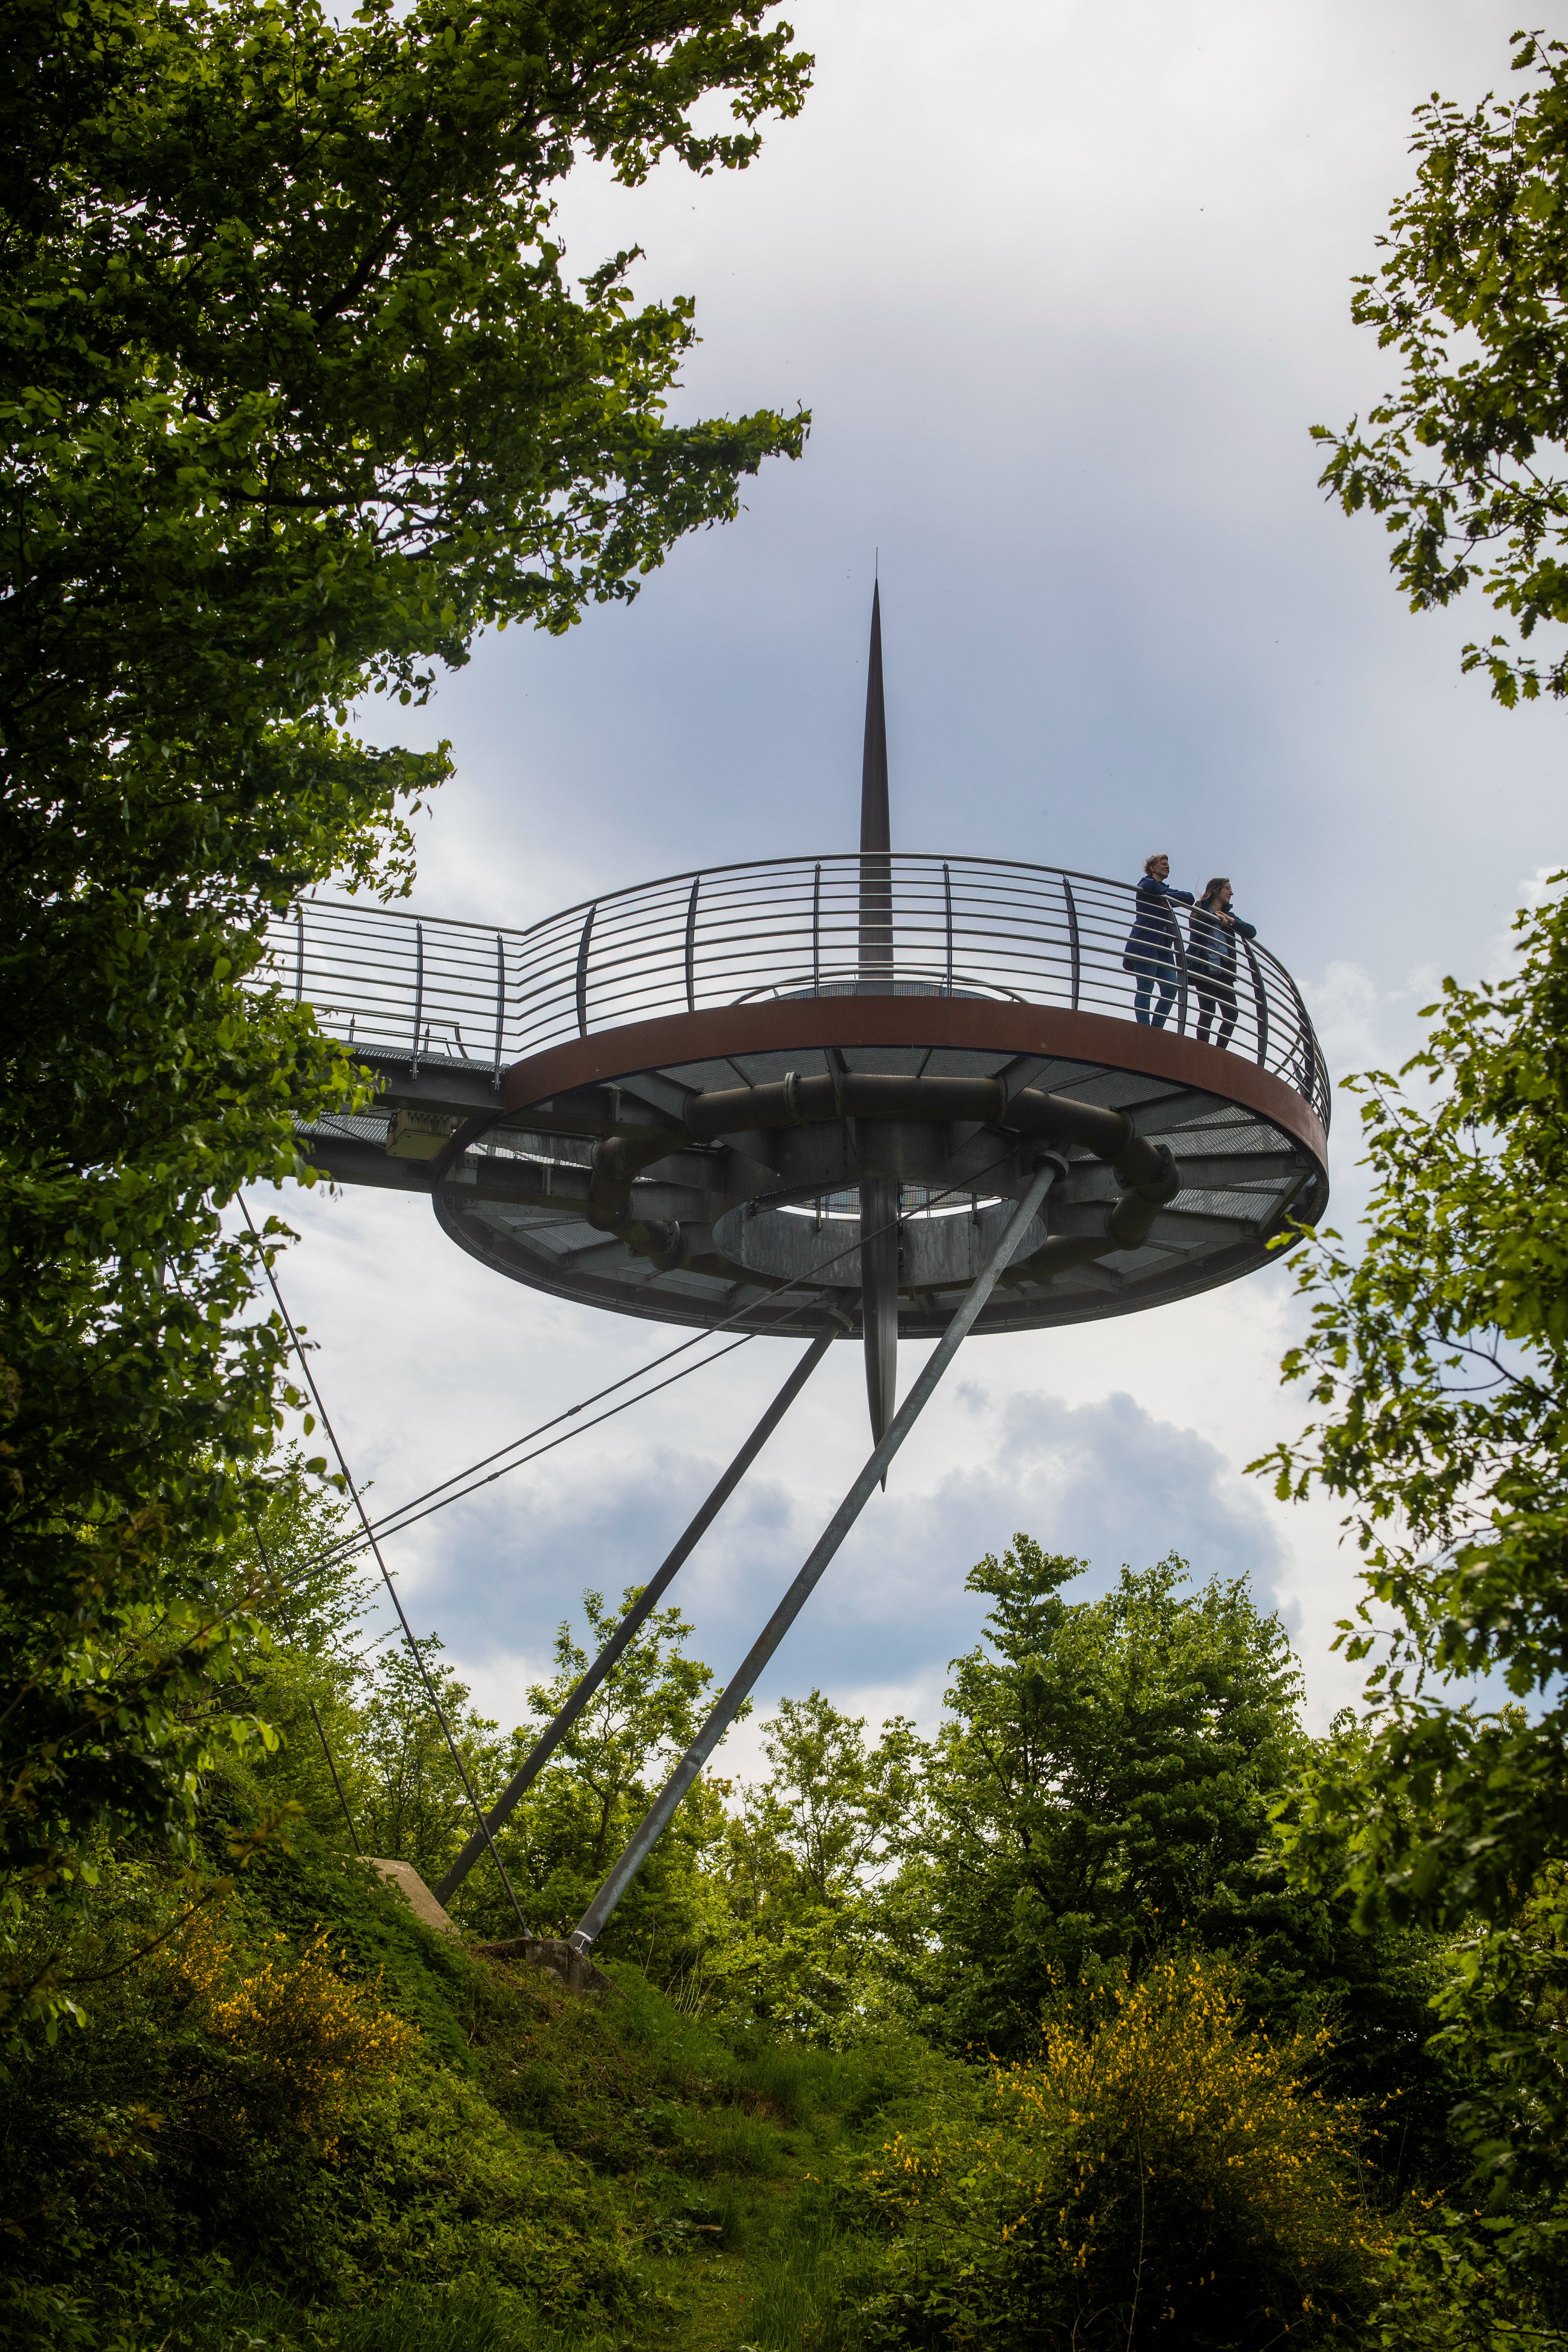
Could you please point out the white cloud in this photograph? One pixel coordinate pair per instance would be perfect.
(1345, 1004)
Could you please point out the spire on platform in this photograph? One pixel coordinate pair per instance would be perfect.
(879, 1195)
(875, 830)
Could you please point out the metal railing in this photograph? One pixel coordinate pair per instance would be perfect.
(423, 989)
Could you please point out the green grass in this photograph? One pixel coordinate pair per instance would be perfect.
(679, 2168)
(802, 2293)
(410, 2318)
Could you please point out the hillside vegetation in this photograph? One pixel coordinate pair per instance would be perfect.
(1018, 2037)
(307, 2120)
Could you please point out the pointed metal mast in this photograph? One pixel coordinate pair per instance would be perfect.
(879, 1194)
(876, 831)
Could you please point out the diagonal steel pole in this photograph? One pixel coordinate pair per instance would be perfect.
(641, 1609)
(592, 1925)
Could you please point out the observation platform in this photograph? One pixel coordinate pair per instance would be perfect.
(679, 1101)
(880, 1095)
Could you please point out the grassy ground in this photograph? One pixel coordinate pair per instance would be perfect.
(681, 2168)
(718, 2150)
(715, 2154)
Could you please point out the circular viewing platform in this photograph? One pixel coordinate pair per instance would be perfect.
(677, 1101)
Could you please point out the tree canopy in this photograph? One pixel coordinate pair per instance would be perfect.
(1100, 1794)
(1438, 1359)
(1100, 1782)
(1465, 459)
(296, 395)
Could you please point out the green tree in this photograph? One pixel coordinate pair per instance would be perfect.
(289, 1659)
(1438, 1362)
(607, 1770)
(1101, 1782)
(1465, 460)
(1101, 1791)
(823, 1821)
(1504, 2007)
(310, 1676)
(296, 395)
(803, 1945)
(412, 1803)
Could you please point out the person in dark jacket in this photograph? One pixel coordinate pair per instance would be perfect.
(1212, 934)
(1150, 949)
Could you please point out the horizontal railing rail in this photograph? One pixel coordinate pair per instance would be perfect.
(421, 989)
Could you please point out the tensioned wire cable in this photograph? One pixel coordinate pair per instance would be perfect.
(407, 1515)
(431, 1691)
(581, 1406)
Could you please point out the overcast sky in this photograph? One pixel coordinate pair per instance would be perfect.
(1064, 287)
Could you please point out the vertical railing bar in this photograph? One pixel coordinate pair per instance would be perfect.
(1306, 1045)
(583, 970)
(500, 1002)
(947, 895)
(418, 992)
(1260, 998)
(816, 931)
(1072, 937)
(692, 944)
(298, 955)
(1181, 972)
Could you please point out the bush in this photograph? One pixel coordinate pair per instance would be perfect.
(304, 2042)
(1153, 2174)
(251, 2113)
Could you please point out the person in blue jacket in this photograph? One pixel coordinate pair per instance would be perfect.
(1212, 930)
(1150, 949)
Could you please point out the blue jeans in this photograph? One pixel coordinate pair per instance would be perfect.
(1161, 967)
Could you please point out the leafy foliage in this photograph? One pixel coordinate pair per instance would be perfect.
(1456, 2277)
(1439, 1362)
(1504, 2007)
(606, 1772)
(798, 1944)
(411, 1804)
(252, 2090)
(498, 2164)
(1102, 1782)
(306, 2072)
(342, 1701)
(1152, 2173)
(831, 1807)
(295, 396)
(303, 2040)
(1102, 1793)
(1472, 297)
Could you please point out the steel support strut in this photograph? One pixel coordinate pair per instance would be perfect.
(594, 1920)
(641, 1609)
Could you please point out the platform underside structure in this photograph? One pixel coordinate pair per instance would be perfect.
(688, 1170)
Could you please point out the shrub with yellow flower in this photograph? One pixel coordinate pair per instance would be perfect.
(1155, 2174)
(305, 2039)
